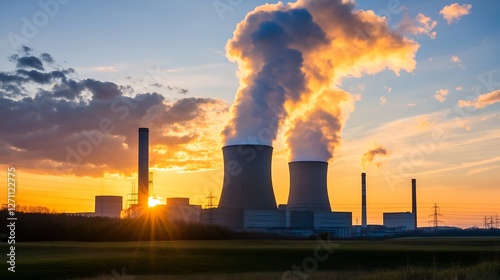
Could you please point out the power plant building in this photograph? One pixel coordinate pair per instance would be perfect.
(248, 202)
(404, 220)
(108, 206)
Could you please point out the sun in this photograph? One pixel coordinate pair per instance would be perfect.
(152, 201)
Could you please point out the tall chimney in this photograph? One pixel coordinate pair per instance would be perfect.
(308, 186)
(247, 178)
(414, 200)
(143, 168)
(363, 200)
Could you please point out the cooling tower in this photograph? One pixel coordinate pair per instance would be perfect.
(363, 200)
(308, 186)
(143, 168)
(247, 178)
(414, 200)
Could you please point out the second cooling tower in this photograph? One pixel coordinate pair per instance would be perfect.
(247, 178)
(308, 189)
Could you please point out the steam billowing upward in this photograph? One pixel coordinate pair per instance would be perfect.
(369, 156)
(268, 46)
(292, 58)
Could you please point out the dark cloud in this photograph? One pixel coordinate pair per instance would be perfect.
(26, 49)
(102, 90)
(50, 124)
(179, 89)
(30, 62)
(47, 58)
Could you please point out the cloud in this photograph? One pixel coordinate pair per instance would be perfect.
(441, 95)
(383, 100)
(456, 59)
(369, 156)
(452, 13)
(27, 62)
(56, 124)
(463, 123)
(179, 89)
(420, 25)
(458, 88)
(105, 68)
(47, 58)
(411, 104)
(482, 100)
(389, 89)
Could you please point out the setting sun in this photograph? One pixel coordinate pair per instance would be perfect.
(153, 201)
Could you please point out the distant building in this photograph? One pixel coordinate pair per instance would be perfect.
(405, 220)
(179, 209)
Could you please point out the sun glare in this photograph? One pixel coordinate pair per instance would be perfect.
(152, 202)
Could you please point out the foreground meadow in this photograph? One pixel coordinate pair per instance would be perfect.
(407, 258)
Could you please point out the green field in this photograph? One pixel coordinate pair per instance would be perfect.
(406, 258)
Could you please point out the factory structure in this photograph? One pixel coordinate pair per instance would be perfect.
(247, 201)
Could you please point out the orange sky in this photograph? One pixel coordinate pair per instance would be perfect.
(462, 201)
(399, 81)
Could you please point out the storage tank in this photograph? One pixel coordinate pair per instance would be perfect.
(308, 189)
(247, 178)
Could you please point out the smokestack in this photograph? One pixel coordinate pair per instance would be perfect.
(308, 186)
(143, 168)
(247, 178)
(363, 200)
(414, 200)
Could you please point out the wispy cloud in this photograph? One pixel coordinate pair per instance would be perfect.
(441, 95)
(482, 169)
(455, 59)
(482, 101)
(422, 24)
(452, 13)
(383, 100)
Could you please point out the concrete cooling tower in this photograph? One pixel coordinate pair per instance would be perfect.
(247, 178)
(308, 186)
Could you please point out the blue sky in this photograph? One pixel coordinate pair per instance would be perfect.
(182, 44)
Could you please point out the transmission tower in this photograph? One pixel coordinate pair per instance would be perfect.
(210, 206)
(492, 223)
(435, 221)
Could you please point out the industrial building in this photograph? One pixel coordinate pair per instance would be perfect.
(108, 206)
(404, 220)
(247, 201)
(179, 209)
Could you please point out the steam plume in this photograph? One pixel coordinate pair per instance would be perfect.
(292, 58)
(369, 156)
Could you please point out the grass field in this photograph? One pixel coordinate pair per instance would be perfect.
(411, 258)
